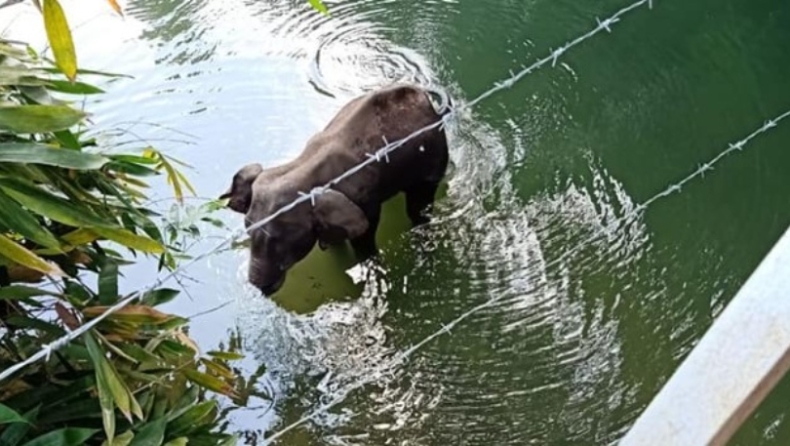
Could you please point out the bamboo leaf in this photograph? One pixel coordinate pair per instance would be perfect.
(8, 415)
(44, 203)
(186, 182)
(38, 118)
(73, 239)
(37, 324)
(52, 395)
(16, 218)
(173, 180)
(14, 433)
(134, 314)
(108, 282)
(80, 237)
(180, 441)
(187, 341)
(21, 255)
(116, 387)
(68, 140)
(173, 323)
(113, 385)
(319, 6)
(121, 440)
(152, 377)
(228, 356)
(103, 385)
(19, 76)
(10, 51)
(131, 240)
(131, 168)
(232, 440)
(185, 402)
(70, 436)
(151, 434)
(50, 156)
(60, 39)
(135, 182)
(218, 369)
(134, 159)
(193, 418)
(115, 6)
(209, 382)
(69, 413)
(122, 396)
(159, 296)
(94, 72)
(73, 87)
(38, 95)
(66, 316)
(138, 353)
(19, 292)
(136, 409)
(174, 349)
(114, 348)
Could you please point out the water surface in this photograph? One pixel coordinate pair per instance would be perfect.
(592, 313)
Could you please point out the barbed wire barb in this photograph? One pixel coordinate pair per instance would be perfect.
(313, 194)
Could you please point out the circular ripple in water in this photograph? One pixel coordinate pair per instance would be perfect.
(352, 64)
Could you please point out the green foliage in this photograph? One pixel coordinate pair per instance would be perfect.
(319, 6)
(59, 36)
(69, 207)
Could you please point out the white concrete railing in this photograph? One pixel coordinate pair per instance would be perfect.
(735, 365)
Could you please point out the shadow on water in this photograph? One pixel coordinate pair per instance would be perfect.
(334, 274)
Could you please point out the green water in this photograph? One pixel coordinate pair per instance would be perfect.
(592, 315)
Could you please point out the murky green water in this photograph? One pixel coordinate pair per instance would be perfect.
(584, 332)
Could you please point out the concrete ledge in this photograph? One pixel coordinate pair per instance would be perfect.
(735, 365)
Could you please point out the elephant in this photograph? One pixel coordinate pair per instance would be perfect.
(349, 210)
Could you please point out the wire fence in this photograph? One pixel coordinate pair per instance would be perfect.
(380, 155)
(446, 328)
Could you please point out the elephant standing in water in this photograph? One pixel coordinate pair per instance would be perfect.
(351, 209)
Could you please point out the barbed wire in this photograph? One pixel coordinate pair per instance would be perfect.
(446, 328)
(379, 155)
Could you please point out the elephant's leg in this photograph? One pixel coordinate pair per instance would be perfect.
(418, 199)
(365, 245)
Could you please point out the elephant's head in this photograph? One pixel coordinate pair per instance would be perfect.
(240, 193)
(287, 239)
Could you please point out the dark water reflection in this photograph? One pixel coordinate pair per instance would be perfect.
(592, 313)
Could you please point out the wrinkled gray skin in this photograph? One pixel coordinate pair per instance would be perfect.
(351, 209)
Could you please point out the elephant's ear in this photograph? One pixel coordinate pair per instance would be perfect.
(337, 218)
(239, 194)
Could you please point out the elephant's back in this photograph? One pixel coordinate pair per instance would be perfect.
(366, 125)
